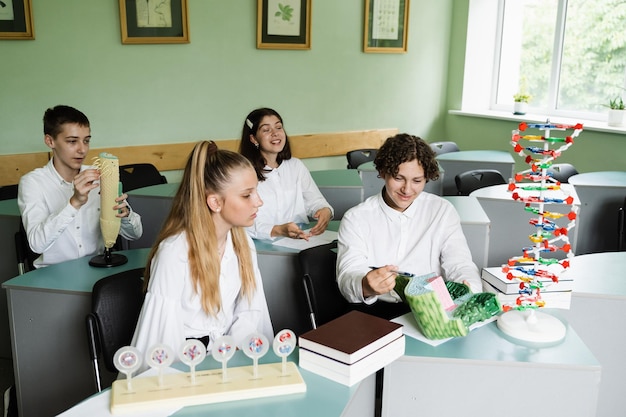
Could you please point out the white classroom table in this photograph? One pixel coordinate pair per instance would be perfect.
(510, 226)
(601, 195)
(597, 312)
(50, 304)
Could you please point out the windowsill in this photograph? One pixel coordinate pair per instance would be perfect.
(593, 125)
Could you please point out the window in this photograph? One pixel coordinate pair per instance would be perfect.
(568, 55)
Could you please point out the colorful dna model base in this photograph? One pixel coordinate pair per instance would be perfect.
(543, 197)
(207, 386)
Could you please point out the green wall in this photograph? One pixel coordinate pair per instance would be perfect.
(146, 94)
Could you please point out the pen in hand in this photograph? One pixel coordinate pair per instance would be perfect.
(403, 273)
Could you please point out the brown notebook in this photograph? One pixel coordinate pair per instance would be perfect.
(350, 337)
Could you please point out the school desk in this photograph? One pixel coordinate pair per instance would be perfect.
(53, 370)
(601, 195)
(510, 225)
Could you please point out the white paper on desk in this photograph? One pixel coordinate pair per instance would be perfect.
(326, 237)
(99, 404)
(410, 328)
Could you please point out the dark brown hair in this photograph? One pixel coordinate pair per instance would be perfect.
(247, 148)
(403, 148)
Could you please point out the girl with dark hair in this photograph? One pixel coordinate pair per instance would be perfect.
(285, 184)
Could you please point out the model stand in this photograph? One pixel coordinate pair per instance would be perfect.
(538, 190)
(203, 387)
(108, 259)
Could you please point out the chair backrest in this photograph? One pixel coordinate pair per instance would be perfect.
(360, 156)
(135, 176)
(116, 302)
(444, 147)
(320, 284)
(8, 192)
(25, 255)
(468, 181)
(562, 172)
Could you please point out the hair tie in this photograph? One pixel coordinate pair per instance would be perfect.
(212, 147)
(249, 123)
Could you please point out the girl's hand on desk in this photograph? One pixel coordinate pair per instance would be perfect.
(379, 281)
(291, 230)
(323, 217)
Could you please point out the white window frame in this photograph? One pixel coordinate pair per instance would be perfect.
(482, 60)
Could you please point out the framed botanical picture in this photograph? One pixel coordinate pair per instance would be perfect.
(386, 26)
(154, 21)
(16, 19)
(283, 24)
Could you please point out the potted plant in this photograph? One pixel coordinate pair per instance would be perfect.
(617, 112)
(520, 102)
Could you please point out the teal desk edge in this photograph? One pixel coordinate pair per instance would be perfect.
(75, 275)
(488, 343)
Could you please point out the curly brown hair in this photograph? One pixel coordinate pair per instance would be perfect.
(403, 148)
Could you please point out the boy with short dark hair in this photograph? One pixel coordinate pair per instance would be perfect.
(60, 202)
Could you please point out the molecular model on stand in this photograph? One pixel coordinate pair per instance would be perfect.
(539, 190)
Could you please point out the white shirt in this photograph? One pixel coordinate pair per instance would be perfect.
(426, 237)
(172, 310)
(57, 230)
(289, 194)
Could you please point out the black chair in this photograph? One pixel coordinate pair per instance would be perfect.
(135, 176)
(25, 255)
(562, 172)
(360, 156)
(468, 181)
(8, 192)
(116, 302)
(444, 147)
(320, 285)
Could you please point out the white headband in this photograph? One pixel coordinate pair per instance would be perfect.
(249, 123)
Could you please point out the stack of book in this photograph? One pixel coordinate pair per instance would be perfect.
(554, 294)
(351, 347)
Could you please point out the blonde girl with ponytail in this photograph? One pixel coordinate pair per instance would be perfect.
(202, 280)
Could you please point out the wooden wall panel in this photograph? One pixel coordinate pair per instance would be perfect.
(172, 156)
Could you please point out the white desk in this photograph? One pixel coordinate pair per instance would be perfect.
(475, 224)
(455, 163)
(484, 374)
(597, 312)
(509, 223)
(48, 307)
(601, 194)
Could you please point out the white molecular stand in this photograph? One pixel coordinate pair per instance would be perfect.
(142, 394)
(524, 322)
(532, 326)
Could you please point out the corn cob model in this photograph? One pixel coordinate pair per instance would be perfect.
(110, 188)
(109, 167)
